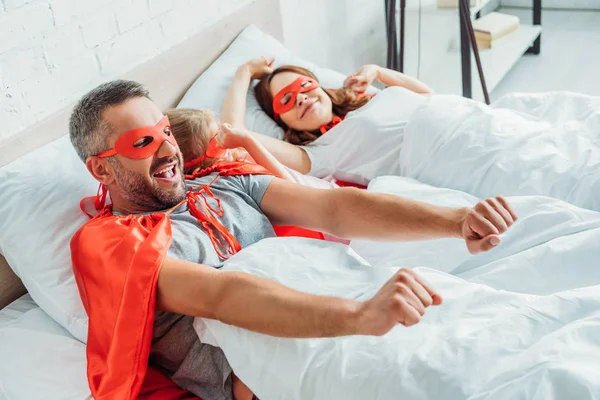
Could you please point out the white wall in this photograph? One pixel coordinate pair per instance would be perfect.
(344, 34)
(52, 51)
(339, 34)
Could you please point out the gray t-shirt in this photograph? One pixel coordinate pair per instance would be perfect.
(176, 350)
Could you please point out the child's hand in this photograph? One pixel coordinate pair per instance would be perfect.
(231, 138)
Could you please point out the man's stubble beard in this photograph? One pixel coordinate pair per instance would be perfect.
(142, 193)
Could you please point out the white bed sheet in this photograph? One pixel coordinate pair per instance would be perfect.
(545, 144)
(522, 321)
(38, 358)
(519, 322)
(16, 309)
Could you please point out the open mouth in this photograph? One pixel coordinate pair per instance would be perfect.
(167, 173)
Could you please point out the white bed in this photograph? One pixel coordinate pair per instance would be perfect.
(524, 144)
(520, 322)
(39, 358)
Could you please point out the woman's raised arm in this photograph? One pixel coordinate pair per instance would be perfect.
(360, 81)
(233, 111)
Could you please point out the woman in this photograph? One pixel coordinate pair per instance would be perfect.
(314, 112)
(442, 140)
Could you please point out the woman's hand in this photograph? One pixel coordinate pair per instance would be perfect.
(233, 110)
(359, 82)
(232, 138)
(260, 67)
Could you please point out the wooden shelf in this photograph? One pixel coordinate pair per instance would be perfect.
(447, 72)
(497, 62)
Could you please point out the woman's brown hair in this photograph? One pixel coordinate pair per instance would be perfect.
(343, 101)
(191, 128)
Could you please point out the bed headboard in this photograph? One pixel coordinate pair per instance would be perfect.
(189, 59)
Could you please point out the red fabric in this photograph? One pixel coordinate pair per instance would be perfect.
(154, 136)
(230, 168)
(99, 200)
(213, 151)
(239, 168)
(208, 221)
(247, 168)
(158, 387)
(349, 184)
(336, 120)
(116, 262)
(302, 84)
(298, 232)
(326, 127)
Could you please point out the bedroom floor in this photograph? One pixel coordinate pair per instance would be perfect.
(569, 59)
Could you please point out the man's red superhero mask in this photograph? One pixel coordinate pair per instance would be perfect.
(285, 99)
(142, 142)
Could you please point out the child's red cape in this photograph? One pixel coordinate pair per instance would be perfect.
(116, 262)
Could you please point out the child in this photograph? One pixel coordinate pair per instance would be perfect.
(195, 129)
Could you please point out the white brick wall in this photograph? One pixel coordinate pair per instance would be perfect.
(52, 51)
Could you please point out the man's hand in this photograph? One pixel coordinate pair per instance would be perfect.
(482, 225)
(259, 67)
(264, 306)
(402, 300)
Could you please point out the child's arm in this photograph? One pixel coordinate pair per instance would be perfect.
(232, 137)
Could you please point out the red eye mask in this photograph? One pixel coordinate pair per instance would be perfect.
(148, 139)
(213, 151)
(285, 99)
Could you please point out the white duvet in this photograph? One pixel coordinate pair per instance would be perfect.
(525, 144)
(519, 322)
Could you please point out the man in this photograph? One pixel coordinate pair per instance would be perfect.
(144, 273)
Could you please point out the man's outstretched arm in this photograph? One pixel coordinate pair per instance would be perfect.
(267, 307)
(351, 213)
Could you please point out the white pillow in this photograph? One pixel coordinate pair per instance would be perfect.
(39, 204)
(209, 89)
(40, 360)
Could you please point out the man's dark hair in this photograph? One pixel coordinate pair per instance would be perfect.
(87, 130)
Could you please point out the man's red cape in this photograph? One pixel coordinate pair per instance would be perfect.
(116, 262)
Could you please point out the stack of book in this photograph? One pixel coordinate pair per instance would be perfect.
(454, 3)
(492, 27)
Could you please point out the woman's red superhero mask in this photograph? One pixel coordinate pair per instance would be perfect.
(285, 99)
(142, 142)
